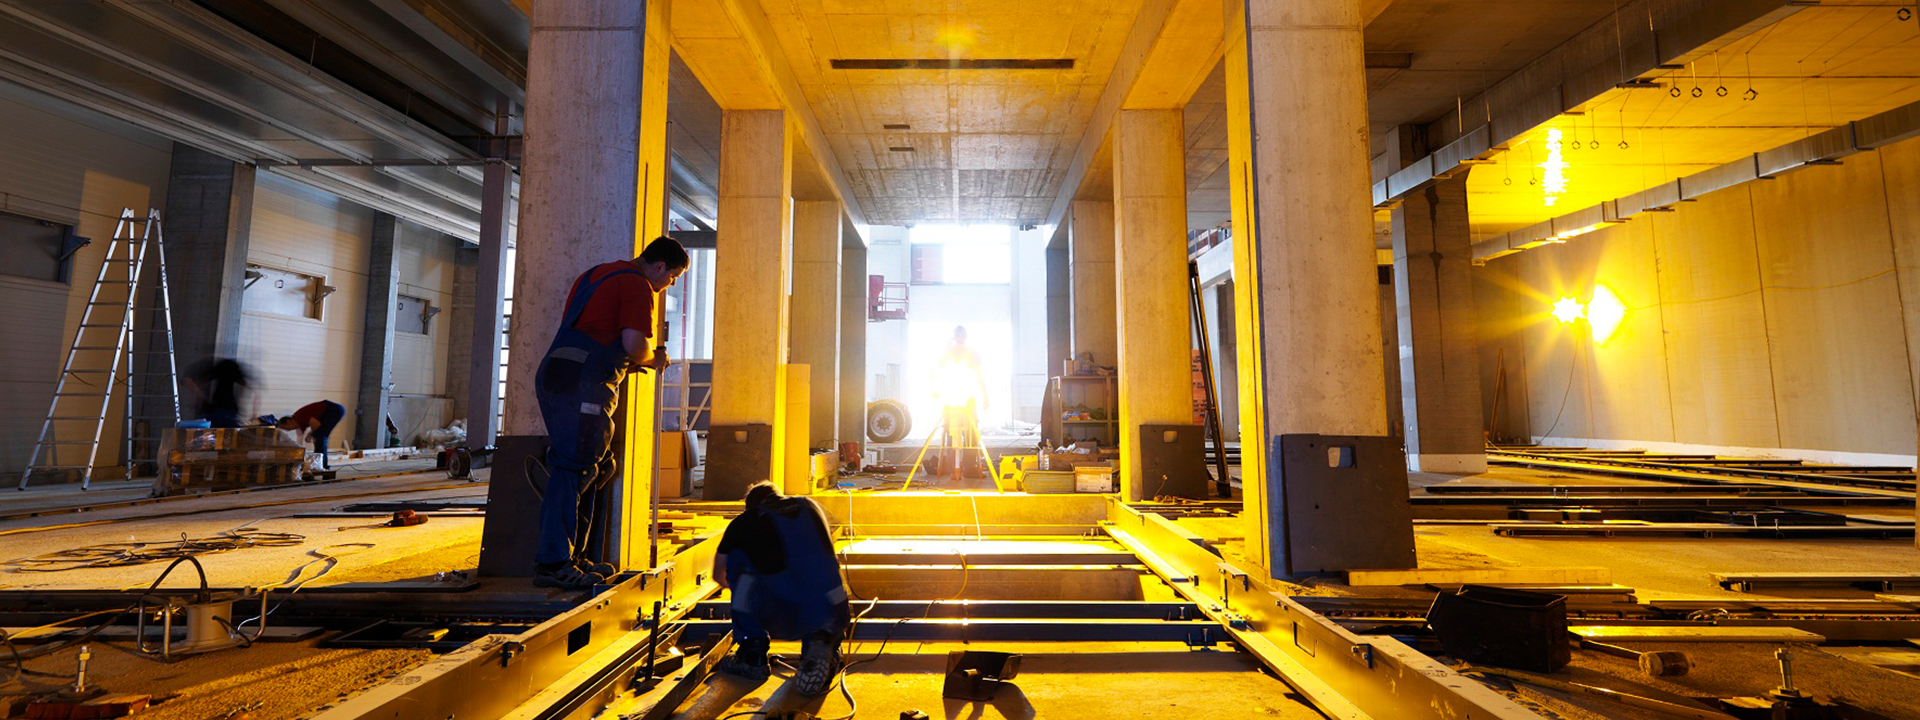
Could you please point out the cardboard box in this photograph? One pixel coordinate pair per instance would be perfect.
(1093, 479)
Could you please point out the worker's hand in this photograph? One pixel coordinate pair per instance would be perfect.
(660, 361)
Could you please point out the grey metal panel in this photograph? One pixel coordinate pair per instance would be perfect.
(393, 45)
(512, 529)
(1350, 517)
(1173, 461)
(737, 457)
(1458, 152)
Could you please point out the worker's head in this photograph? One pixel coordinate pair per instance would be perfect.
(760, 493)
(287, 423)
(959, 334)
(662, 262)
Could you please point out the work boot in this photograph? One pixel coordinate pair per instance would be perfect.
(565, 576)
(819, 663)
(747, 661)
(604, 570)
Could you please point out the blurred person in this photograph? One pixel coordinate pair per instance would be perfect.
(219, 386)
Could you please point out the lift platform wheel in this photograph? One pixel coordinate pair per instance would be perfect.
(887, 421)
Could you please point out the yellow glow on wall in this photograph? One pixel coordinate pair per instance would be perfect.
(1553, 178)
(1605, 313)
(1567, 310)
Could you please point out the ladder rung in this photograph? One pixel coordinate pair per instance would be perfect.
(77, 394)
(95, 347)
(115, 325)
(66, 442)
(71, 417)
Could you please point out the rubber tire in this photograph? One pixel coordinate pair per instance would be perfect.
(887, 421)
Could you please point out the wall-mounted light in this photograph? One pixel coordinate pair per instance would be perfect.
(1604, 313)
(1567, 310)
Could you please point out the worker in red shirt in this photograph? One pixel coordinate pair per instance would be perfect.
(315, 420)
(607, 330)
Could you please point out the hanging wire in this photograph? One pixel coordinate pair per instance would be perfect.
(1719, 75)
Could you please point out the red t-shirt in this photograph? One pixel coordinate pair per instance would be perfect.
(624, 302)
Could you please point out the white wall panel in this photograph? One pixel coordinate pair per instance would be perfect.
(61, 163)
(1771, 315)
(300, 360)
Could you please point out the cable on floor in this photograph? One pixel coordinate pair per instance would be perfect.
(123, 554)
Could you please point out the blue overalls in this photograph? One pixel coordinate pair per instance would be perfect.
(578, 384)
(803, 596)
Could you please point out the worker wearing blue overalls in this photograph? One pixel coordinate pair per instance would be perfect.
(777, 559)
(606, 331)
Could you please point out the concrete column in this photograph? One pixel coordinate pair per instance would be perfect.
(1090, 251)
(460, 327)
(752, 274)
(1439, 352)
(1307, 297)
(208, 218)
(486, 337)
(581, 196)
(815, 310)
(1059, 304)
(853, 341)
(578, 171)
(376, 346)
(1156, 321)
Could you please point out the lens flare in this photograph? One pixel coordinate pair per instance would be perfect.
(1605, 313)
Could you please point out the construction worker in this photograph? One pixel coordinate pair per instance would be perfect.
(777, 558)
(606, 331)
(962, 392)
(316, 421)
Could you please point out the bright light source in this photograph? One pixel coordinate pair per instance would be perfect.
(1553, 178)
(1567, 310)
(1604, 313)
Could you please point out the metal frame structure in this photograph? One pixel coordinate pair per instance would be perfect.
(502, 676)
(1345, 675)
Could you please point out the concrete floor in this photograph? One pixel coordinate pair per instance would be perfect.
(1058, 679)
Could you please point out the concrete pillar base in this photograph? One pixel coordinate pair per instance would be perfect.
(1464, 464)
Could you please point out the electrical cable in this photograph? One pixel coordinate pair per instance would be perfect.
(320, 555)
(138, 553)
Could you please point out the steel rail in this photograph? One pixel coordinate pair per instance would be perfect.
(532, 673)
(1698, 475)
(1344, 675)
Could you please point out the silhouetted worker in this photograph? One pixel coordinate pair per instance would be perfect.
(315, 420)
(777, 558)
(607, 329)
(219, 385)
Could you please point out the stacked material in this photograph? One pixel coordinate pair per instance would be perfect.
(201, 459)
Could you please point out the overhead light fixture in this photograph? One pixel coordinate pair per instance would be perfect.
(1553, 178)
(900, 148)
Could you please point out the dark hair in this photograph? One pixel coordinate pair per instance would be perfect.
(759, 493)
(667, 250)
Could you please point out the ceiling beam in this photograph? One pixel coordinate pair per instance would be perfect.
(730, 46)
(442, 29)
(1622, 48)
(1172, 47)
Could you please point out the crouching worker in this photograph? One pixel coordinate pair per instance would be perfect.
(777, 558)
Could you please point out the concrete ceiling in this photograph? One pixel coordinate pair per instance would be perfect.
(1819, 68)
(986, 145)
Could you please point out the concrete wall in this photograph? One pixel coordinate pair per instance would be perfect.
(72, 166)
(1767, 317)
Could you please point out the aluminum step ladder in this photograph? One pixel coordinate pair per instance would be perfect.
(106, 357)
